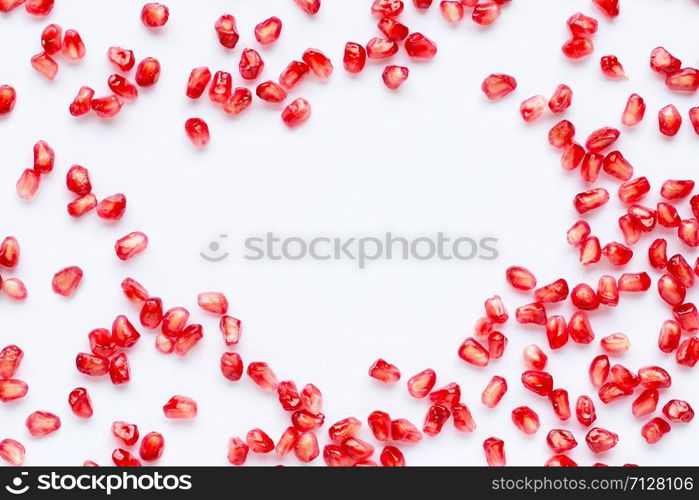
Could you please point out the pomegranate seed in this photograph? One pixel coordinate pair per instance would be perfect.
(667, 215)
(577, 48)
(131, 245)
(221, 87)
(463, 420)
(520, 278)
(287, 441)
(494, 391)
(531, 313)
(174, 321)
(392, 457)
(8, 5)
(45, 65)
(533, 108)
(384, 372)
(554, 292)
(121, 58)
(123, 458)
(494, 449)
(119, 371)
(8, 98)
(107, 107)
(485, 13)
(631, 228)
(616, 343)
(654, 430)
(14, 289)
(11, 389)
(335, 456)
(591, 166)
(688, 352)
(599, 370)
(152, 313)
(447, 395)
(561, 98)
(616, 165)
(634, 111)
(125, 432)
(497, 86)
(534, 357)
(600, 440)
(52, 39)
(483, 327)
(590, 251)
(612, 68)
(227, 32)
(634, 190)
(165, 344)
(495, 310)
(395, 76)
(669, 338)
(237, 451)
(268, 31)
(231, 366)
(452, 11)
(560, 461)
(617, 254)
(197, 131)
(579, 329)
(312, 399)
(391, 29)
(437, 416)
(239, 101)
(189, 337)
(82, 104)
(306, 447)
(418, 46)
(623, 379)
(585, 411)
(73, 46)
(231, 329)
(661, 61)
(474, 353)
(12, 452)
(148, 72)
(310, 7)
(677, 410)
(589, 200)
(102, 343)
(346, 428)
(609, 7)
(578, 233)
(357, 449)
(634, 282)
(296, 113)
(678, 267)
(42, 423)
(78, 180)
(39, 7)
(155, 15)
(152, 446)
(688, 232)
(607, 291)
(94, 366)
(676, 190)
(294, 73)
(525, 419)
(601, 139)
(379, 48)
(181, 407)
(572, 155)
(199, 79)
(426, 4)
(9, 252)
(684, 80)
(122, 87)
(318, 63)
(251, 64)
(421, 384)
(379, 423)
(10, 358)
(262, 375)
(611, 392)
(134, 291)
(80, 403)
(646, 403)
(404, 431)
(560, 403)
(560, 440)
(387, 8)
(654, 377)
(213, 302)
(582, 26)
(561, 134)
(669, 120)
(693, 115)
(496, 345)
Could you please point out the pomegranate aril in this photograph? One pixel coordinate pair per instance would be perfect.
(560, 403)
(42, 423)
(14, 289)
(474, 353)
(174, 321)
(94, 366)
(268, 31)
(553, 292)
(10, 358)
(525, 419)
(670, 334)
(391, 29)
(684, 80)
(421, 384)
(654, 377)
(678, 267)
(645, 217)
(452, 11)
(531, 313)
(426, 4)
(221, 87)
(599, 370)
(122, 87)
(654, 430)
(645, 403)
(82, 104)
(213, 302)
(231, 329)
(496, 345)
(122, 58)
(612, 68)
(39, 7)
(238, 101)
(392, 457)
(199, 79)
(634, 282)
(180, 407)
(9, 252)
(387, 8)
(447, 395)
(45, 65)
(600, 440)
(73, 46)
(102, 342)
(152, 313)
(634, 111)
(12, 452)
(667, 215)
(306, 447)
(8, 99)
(384, 372)
(296, 113)
(561, 98)
(520, 278)
(483, 327)
(186, 340)
(262, 375)
(251, 64)
(661, 61)
(335, 456)
(591, 166)
(119, 370)
(134, 291)
(8, 5)
(345, 428)
(494, 449)
(623, 379)
(578, 233)
(148, 72)
(616, 343)
(52, 39)
(125, 432)
(107, 107)
(577, 48)
(295, 72)
(669, 120)
(617, 254)
(152, 446)
(585, 411)
(155, 15)
(418, 46)
(573, 154)
(582, 26)
(601, 139)
(617, 166)
(80, 403)
(590, 200)
(231, 366)
(379, 423)
(379, 48)
(12, 389)
(579, 329)
(688, 352)
(677, 410)
(609, 7)
(495, 309)
(607, 291)
(28, 184)
(131, 245)
(123, 332)
(123, 458)
(560, 440)
(534, 357)
(463, 420)
(237, 451)
(494, 391)
(437, 416)
(395, 76)
(497, 86)
(634, 190)
(197, 131)
(561, 134)
(688, 232)
(318, 63)
(357, 449)
(485, 13)
(533, 108)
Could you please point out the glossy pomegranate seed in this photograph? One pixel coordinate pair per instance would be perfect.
(525, 419)
(561, 134)
(165, 344)
(231, 366)
(335, 456)
(221, 87)
(474, 353)
(463, 420)
(631, 228)
(609, 7)
(8, 98)
(452, 11)
(174, 321)
(231, 329)
(426, 4)
(11, 389)
(119, 370)
(533, 108)
(262, 375)
(152, 446)
(384, 372)
(102, 342)
(89, 364)
(678, 267)
(578, 233)
(661, 61)
(645, 404)
(601, 139)
(227, 31)
(494, 449)
(654, 377)
(534, 357)
(392, 457)
(45, 65)
(131, 245)
(418, 46)
(579, 329)
(553, 292)
(633, 190)
(669, 120)
(9, 252)
(447, 395)
(73, 46)
(634, 111)
(531, 313)
(560, 440)
(268, 31)
(8, 5)
(237, 451)
(395, 76)
(688, 352)
(310, 7)
(684, 80)
(585, 411)
(12, 452)
(305, 421)
(251, 64)
(693, 115)
(590, 200)
(357, 449)
(287, 441)
(379, 423)
(485, 13)
(688, 232)
(42, 423)
(134, 291)
(667, 215)
(494, 391)
(213, 302)
(10, 358)
(572, 156)
(197, 131)
(107, 107)
(561, 98)
(296, 113)
(82, 104)
(677, 410)
(497, 86)
(155, 15)
(312, 399)
(123, 458)
(125, 432)
(617, 166)
(380, 48)
(421, 384)
(495, 310)
(616, 343)
(122, 58)
(582, 26)
(306, 447)
(52, 39)
(148, 72)
(670, 334)
(599, 370)
(560, 403)
(520, 278)
(645, 217)
(345, 428)
(78, 180)
(437, 416)
(80, 403)
(152, 313)
(623, 382)
(654, 430)
(199, 79)
(122, 87)
(612, 68)
(617, 254)
(676, 189)
(607, 291)
(496, 345)
(181, 407)
(387, 8)
(634, 282)
(318, 63)
(483, 327)
(238, 101)
(294, 73)
(14, 289)
(590, 251)
(391, 29)
(577, 48)
(600, 440)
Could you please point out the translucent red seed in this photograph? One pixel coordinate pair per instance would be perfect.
(268, 31)
(669, 120)
(42, 423)
(66, 281)
(474, 353)
(296, 113)
(12, 452)
(561, 134)
(561, 98)
(52, 39)
(661, 61)
(520, 278)
(155, 15)
(612, 68)
(421, 384)
(44, 64)
(394, 76)
(582, 26)
(180, 407)
(577, 48)
(107, 107)
(122, 87)
(148, 72)
(384, 372)
(494, 449)
(122, 58)
(600, 440)
(533, 108)
(497, 86)
(197, 131)
(8, 99)
(73, 46)
(82, 104)
(152, 446)
(494, 391)
(318, 63)
(486, 13)
(654, 430)
(418, 46)
(391, 29)
(262, 375)
(634, 111)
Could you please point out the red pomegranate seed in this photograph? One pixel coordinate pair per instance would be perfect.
(612, 68)
(89, 364)
(335, 456)
(262, 375)
(152, 313)
(437, 416)
(357, 449)
(533, 108)
(384, 372)
(237, 451)
(591, 166)
(395, 76)
(669, 120)
(227, 31)
(238, 101)
(14, 289)
(9, 252)
(45, 65)
(684, 80)
(561, 98)
(688, 352)
(131, 245)
(123, 458)
(534, 357)
(318, 63)
(616, 165)
(634, 111)
(646, 403)
(607, 291)
(231, 329)
(520, 278)
(590, 200)
(494, 449)
(134, 291)
(609, 7)
(496, 345)
(418, 46)
(601, 139)
(561, 134)
(670, 334)
(483, 327)
(38, 7)
(8, 5)
(616, 343)
(525, 419)
(82, 104)
(560, 403)
(213, 302)
(421, 384)
(617, 254)
(463, 420)
(107, 107)
(199, 79)
(11, 389)
(102, 343)
(287, 441)
(426, 4)
(494, 391)
(251, 64)
(165, 344)
(553, 292)
(312, 399)
(654, 430)
(80, 403)
(122, 87)
(387, 8)
(268, 31)
(119, 370)
(661, 61)
(73, 46)
(577, 48)
(174, 321)
(10, 358)
(688, 232)
(578, 233)
(631, 228)
(600, 440)
(78, 180)
(306, 421)
(634, 282)
(379, 48)
(8, 98)
(42, 423)
(12, 452)
(611, 392)
(296, 113)
(667, 215)
(221, 87)
(346, 428)
(560, 440)
(148, 72)
(231, 366)
(531, 313)
(447, 395)
(379, 423)
(678, 267)
(452, 11)
(582, 26)
(693, 115)
(391, 29)
(125, 432)
(634, 190)
(654, 377)
(152, 446)
(306, 447)
(485, 13)
(181, 407)
(599, 370)
(676, 189)
(677, 410)
(392, 457)
(121, 58)
(495, 310)
(155, 15)
(474, 353)
(623, 378)
(52, 39)
(579, 329)
(259, 441)
(585, 411)
(572, 155)
(294, 73)
(497, 86)
(197, 131)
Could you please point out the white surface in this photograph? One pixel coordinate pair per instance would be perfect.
(435, 156)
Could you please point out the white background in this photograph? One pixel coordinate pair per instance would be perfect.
(434, 156)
